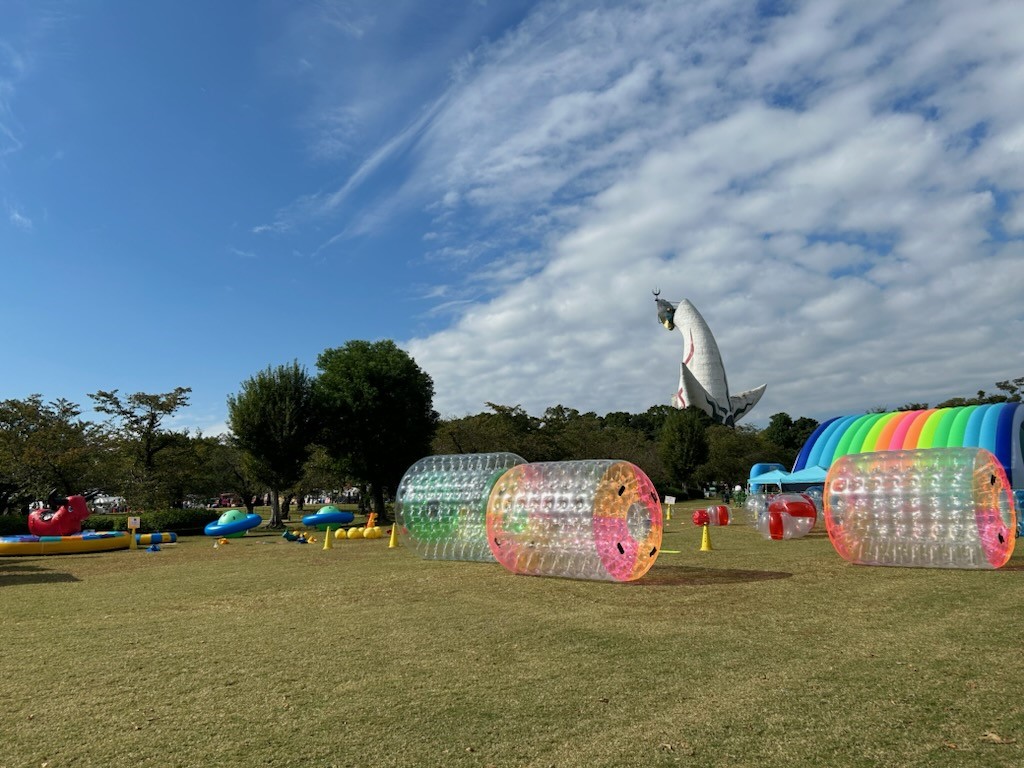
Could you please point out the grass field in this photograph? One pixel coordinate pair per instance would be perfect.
(265, 652)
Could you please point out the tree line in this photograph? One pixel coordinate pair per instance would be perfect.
(362, 419)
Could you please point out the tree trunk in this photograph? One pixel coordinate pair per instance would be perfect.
(378, 504)
(275, 510)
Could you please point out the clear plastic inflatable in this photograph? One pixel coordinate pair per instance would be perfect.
(755, 508)
(932, 508)
(787, 516)
(816, 493)
(441, 504)
(598, 519)
(717, 515)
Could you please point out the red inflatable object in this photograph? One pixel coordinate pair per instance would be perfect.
(712, 516)
(65, 521)
(790, 516)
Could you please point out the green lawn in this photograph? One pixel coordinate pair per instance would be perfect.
(265, 652)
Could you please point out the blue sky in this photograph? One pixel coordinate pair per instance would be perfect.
(190, 192)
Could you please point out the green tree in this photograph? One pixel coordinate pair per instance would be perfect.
(379, 403)
(732, 451)
(44, 446)
(224, 468)
(274, 420)
(146, 453)
(683, 444)
(788, 436)
(506, 428)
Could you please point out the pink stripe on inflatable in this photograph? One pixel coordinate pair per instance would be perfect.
(898, 434)
(914, 433)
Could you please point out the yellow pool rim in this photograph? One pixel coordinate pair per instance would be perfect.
(105, 541)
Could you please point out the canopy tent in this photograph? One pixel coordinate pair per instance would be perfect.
(775, 477)
(808, 475)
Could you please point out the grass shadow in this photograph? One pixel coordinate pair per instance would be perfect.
(688, 576)
(13, 574)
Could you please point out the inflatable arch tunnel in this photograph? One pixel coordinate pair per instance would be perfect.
(997, 427)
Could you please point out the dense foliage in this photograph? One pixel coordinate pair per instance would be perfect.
(363, 420)
(379, 407)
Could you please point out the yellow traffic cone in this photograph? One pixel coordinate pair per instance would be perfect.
(668, 513)
(705, 539)
(393, 542)
(328, 539)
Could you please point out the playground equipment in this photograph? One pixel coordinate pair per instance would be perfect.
(716, 515)
(996, 427)
(328, 516)
(233, 524)
(595, 519)
(441, 504)
(787, 516)
(63, 545)
(931, 508)
(62, 515)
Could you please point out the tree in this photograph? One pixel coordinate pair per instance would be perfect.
(788, 435)
(506, 428)
(44, 446)
(379, 403)
(274, 420)
(148, 466)
(683, 443)
(223, 467)
(733, 450)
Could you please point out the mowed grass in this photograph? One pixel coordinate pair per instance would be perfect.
(265, 652)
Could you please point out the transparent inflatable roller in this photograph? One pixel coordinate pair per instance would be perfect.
(596, 519)
(441, 504)
(930, 508)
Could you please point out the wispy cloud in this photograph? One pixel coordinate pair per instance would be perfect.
(18, 219)
(800, 178)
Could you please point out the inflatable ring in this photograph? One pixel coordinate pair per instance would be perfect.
(63, 545)
(237, 526)
(328, 516)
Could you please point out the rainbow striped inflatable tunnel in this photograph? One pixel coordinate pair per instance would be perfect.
(997, 427)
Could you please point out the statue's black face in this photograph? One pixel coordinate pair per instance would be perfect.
(666, 314)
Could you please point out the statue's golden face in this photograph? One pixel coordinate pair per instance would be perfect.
(666, 314)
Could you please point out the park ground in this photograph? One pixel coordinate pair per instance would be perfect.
(265, 652)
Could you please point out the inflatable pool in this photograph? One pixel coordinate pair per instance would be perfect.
(146, 539)
(232, 524)
(328, 516)
(63, 545)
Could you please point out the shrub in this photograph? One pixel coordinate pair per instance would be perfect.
(13, 525)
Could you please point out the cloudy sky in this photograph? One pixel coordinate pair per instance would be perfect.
(191, 191)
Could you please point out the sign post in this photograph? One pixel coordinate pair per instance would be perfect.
(133, 524)
(669, 502)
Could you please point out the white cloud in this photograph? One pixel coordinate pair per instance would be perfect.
(18, 219)
(805, 181)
